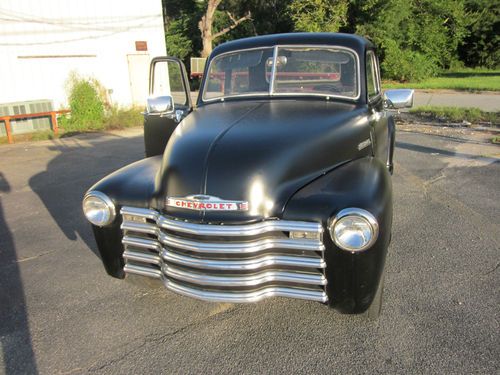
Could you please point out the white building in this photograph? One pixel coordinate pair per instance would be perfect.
(42, 41)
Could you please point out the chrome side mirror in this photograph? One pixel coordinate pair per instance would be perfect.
(160, 105)
(396, 99)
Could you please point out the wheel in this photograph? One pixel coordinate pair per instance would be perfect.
(373, 311)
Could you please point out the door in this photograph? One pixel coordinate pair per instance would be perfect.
(167, 77)
(381, 133)
(138, 66)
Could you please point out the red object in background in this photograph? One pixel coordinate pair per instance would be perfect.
(141, 45)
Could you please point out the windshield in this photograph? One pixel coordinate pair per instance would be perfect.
(301, 70)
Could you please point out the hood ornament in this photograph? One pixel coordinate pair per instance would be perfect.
(200, 202)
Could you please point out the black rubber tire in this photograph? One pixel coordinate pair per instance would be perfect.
(375, 308)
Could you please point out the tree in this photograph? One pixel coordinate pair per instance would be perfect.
(179, 43)
(417, 38)
(482, 46)
(206, 25)
(318, 15)
(181, 28)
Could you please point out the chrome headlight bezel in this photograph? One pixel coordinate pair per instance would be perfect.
(365, 217)
(107, 204)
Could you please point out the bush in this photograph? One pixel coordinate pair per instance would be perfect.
(406, 65)
(86, 105)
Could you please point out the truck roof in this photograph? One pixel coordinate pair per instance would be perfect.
(355, 42)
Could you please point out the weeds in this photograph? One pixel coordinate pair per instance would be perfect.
(120, 118)
(456, 114)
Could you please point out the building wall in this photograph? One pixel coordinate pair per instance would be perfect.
(42, 42)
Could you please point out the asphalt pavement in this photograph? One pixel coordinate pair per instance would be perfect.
(61, 314)
(486, 101)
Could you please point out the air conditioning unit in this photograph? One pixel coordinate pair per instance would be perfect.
(27, 125)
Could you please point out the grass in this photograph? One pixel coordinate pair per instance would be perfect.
(496, 140)
(456, 114)
(120, 118)
(116, 118)
(42, 135)
(465, 79)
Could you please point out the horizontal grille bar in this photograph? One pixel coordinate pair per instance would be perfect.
(251, 296)
(227, 247)
(142, 257)
(142, 243)
(143, 271)
(243, 264)
(245, 280)
(223, 230)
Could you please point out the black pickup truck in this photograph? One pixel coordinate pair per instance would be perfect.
(278, 183)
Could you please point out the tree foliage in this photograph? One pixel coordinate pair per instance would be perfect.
(416, 38)
(482, 46)
(179, 43)
(318, 15)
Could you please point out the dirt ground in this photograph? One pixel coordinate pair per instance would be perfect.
(478, 137)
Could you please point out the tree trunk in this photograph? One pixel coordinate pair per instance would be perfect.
(205, 26)
(206, 23)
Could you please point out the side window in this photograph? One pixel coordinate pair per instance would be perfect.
(372, 79)
(167, 80)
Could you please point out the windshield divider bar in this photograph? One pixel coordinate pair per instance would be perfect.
(273, 71)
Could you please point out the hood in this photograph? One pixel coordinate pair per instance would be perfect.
(257, 152)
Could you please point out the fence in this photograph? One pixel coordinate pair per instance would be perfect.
(52, 114)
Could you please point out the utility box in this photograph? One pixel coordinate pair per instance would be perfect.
(27, 125)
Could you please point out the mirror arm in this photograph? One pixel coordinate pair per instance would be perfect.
(388, 104)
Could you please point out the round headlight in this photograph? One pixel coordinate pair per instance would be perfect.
(98, 208)
(354, 229)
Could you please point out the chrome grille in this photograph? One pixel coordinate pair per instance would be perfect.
(225, 263)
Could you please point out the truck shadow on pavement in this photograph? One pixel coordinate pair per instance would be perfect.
(438, 151)
(15, 337)
(62, 185)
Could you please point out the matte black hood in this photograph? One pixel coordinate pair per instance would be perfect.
(260, 152)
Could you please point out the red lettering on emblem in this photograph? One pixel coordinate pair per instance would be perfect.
(215, 205)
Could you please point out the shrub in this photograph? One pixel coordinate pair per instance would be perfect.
(405, 65)
(86, 105)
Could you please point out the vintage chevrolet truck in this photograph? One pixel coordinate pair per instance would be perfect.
(278, 182)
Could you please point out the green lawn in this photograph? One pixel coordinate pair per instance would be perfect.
(467, 79)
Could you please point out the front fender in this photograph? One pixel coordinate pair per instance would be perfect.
(363, 183)
(132, 185)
